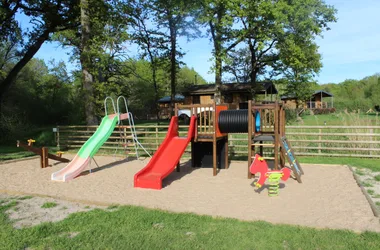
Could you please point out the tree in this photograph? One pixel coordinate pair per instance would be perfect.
(238, 63)
(47, 17)
(187, 77)
(174, 15)
(277, 32)
(299, 66)
(98, 45)
(219, 16)
(85, 61)
(150, 40)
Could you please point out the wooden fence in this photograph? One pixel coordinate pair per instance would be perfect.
(340, 141)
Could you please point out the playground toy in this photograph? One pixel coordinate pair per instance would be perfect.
(168, 155)
(86, 153)
(166, 158)
(43, 153)
(260, 166)
(264, 123)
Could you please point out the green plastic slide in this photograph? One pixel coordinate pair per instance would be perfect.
(101, 135)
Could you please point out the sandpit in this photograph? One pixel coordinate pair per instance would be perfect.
(329, 196)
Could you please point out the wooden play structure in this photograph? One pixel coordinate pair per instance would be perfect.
(264, 123)
(43, 153)
(208, 140)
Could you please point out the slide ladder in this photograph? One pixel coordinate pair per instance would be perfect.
(131, 123)
(289, 153)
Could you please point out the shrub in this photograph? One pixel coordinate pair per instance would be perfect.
(324, 111)
(290, 115)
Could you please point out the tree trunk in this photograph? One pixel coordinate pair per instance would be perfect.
(32, 50)
(85, 60)
(153, 66)
(253, 73)
(217, 39)
(173, 62)
(154, 75)
(218, 76)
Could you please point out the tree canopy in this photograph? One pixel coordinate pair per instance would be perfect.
(252, 40)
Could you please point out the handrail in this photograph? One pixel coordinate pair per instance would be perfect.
(118, 108)
(105, 104)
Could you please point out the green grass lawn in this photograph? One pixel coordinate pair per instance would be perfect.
(13, 152)
(372, 164)
(138, 228)
(337, 119)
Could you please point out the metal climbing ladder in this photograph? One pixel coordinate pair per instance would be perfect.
(131, 122)
(294, 164)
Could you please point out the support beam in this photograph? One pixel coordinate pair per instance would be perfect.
(250, 120)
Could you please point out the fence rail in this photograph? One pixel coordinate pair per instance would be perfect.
(340, 141)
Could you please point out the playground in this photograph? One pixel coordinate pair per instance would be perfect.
(277, 189)
(329, 196)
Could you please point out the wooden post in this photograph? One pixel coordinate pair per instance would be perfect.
(319, 139)
(226, 153)
(214, 158)
(58, 144)
(370, 139)
(250, 119)
(156, 138)
(276, 135)
(282, 126)
(125, 141)
(192, 155)
(214, 148)
(44, 157)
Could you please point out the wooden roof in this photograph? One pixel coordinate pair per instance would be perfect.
(316, 93)
(322, 93)
(177, 98)
(269, 87)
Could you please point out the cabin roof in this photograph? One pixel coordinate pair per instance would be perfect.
(323, 93)
(177, 98)
(316, 93)
(269, 87)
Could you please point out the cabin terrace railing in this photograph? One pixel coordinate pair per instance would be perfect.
(318, 105)
(339, 141)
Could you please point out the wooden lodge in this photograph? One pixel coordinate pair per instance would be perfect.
(235, 95)
(315, 101)
(164, 104)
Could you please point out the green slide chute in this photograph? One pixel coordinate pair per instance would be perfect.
(101, 135)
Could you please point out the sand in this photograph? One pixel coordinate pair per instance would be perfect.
(329, 196)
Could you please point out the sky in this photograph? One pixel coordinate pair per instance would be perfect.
(350, 50)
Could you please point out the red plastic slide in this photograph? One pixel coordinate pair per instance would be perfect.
(165, 160)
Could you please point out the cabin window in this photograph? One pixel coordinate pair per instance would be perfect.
(228, 98)
(243, 105)
(196, 99)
